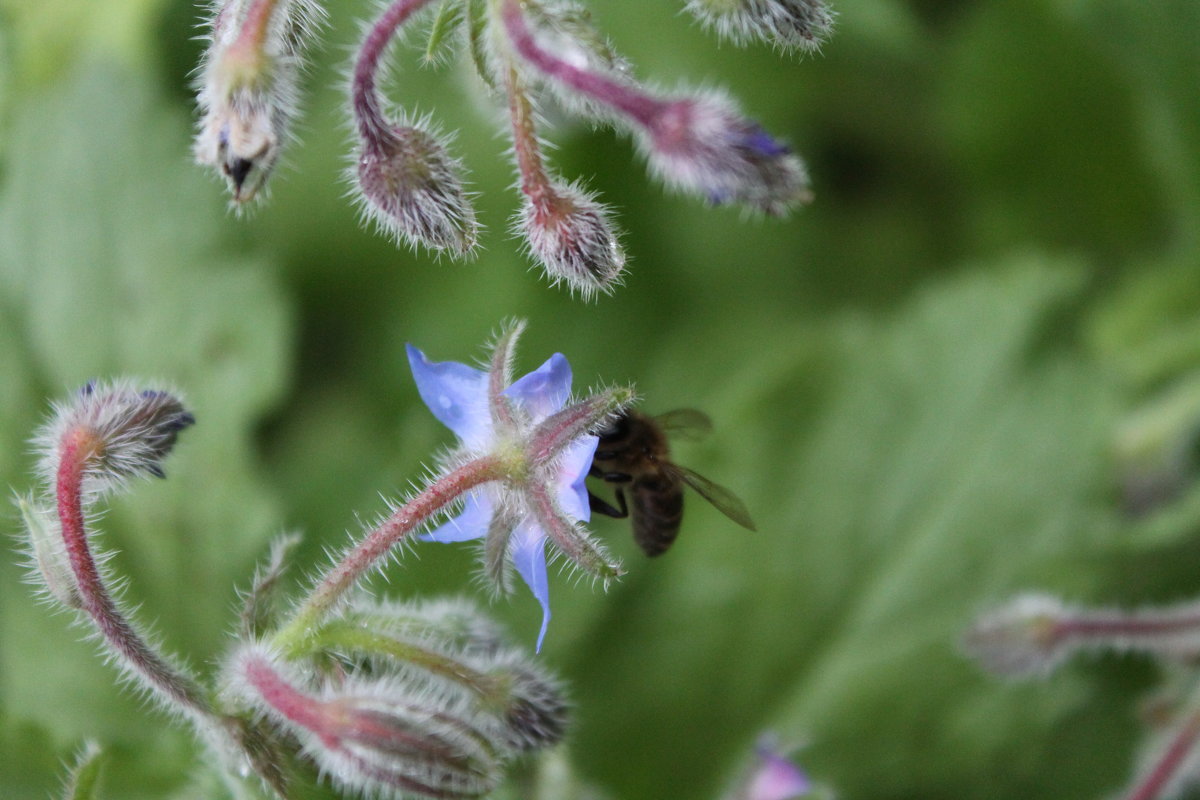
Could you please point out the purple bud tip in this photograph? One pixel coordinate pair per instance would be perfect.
(703, 144)
(132, 430)
(759, 141)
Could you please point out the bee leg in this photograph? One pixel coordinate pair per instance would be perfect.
(601, 506)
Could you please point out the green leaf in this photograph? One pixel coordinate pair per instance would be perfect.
(1159, 54)
(920, 468)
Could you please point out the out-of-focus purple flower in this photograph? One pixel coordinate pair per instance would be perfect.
(773, 778)
(545, 446)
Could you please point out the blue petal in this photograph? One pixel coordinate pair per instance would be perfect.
(545, 390)
(456, 394)
(472, 523)
(529, 557)
(573, 466)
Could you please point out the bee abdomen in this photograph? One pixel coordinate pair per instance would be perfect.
(657, 514)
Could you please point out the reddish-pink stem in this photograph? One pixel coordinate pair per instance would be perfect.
(78, 445)
(1130, 626)
(642, 108)
(1165, 768)
(379, 542)
(368, 108)
(535, 184)
(305, 711)
(253, 33)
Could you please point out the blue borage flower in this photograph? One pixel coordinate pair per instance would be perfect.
(545, 445)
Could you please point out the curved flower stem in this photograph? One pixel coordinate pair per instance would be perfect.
(180, 690)
(640, 107)
(378, 543)
(368, 108)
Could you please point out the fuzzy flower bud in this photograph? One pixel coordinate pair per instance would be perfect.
(380, 735)
(568, 232)
(789, 24)
(411, 187)
(536, 711)
(104, 436)
(248, 88)
(1020, 639)
(565, 229)
(1035, 633)
(704, 145)
(116, 431)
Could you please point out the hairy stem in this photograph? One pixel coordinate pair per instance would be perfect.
(180, 690)
(373, 126)
(1167, 764)
(642, 108)
(379, 542)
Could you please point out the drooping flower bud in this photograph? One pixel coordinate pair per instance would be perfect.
(704, 145)
(411, 187)
(790, 24)
(536, 711)
(116, 431)
(566, 230)
(392, 736)
(409, 183)
(248, 88)
(1033, 634)
(1020, 639)
(95, 442)
(569, 234)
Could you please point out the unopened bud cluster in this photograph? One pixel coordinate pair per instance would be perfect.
(533, 53)
(398, 699)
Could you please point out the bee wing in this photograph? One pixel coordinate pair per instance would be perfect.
(685, 423)
(724, 500)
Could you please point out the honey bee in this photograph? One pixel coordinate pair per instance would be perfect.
(634, 455)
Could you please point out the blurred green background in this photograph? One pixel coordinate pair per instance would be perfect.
(967, 369)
